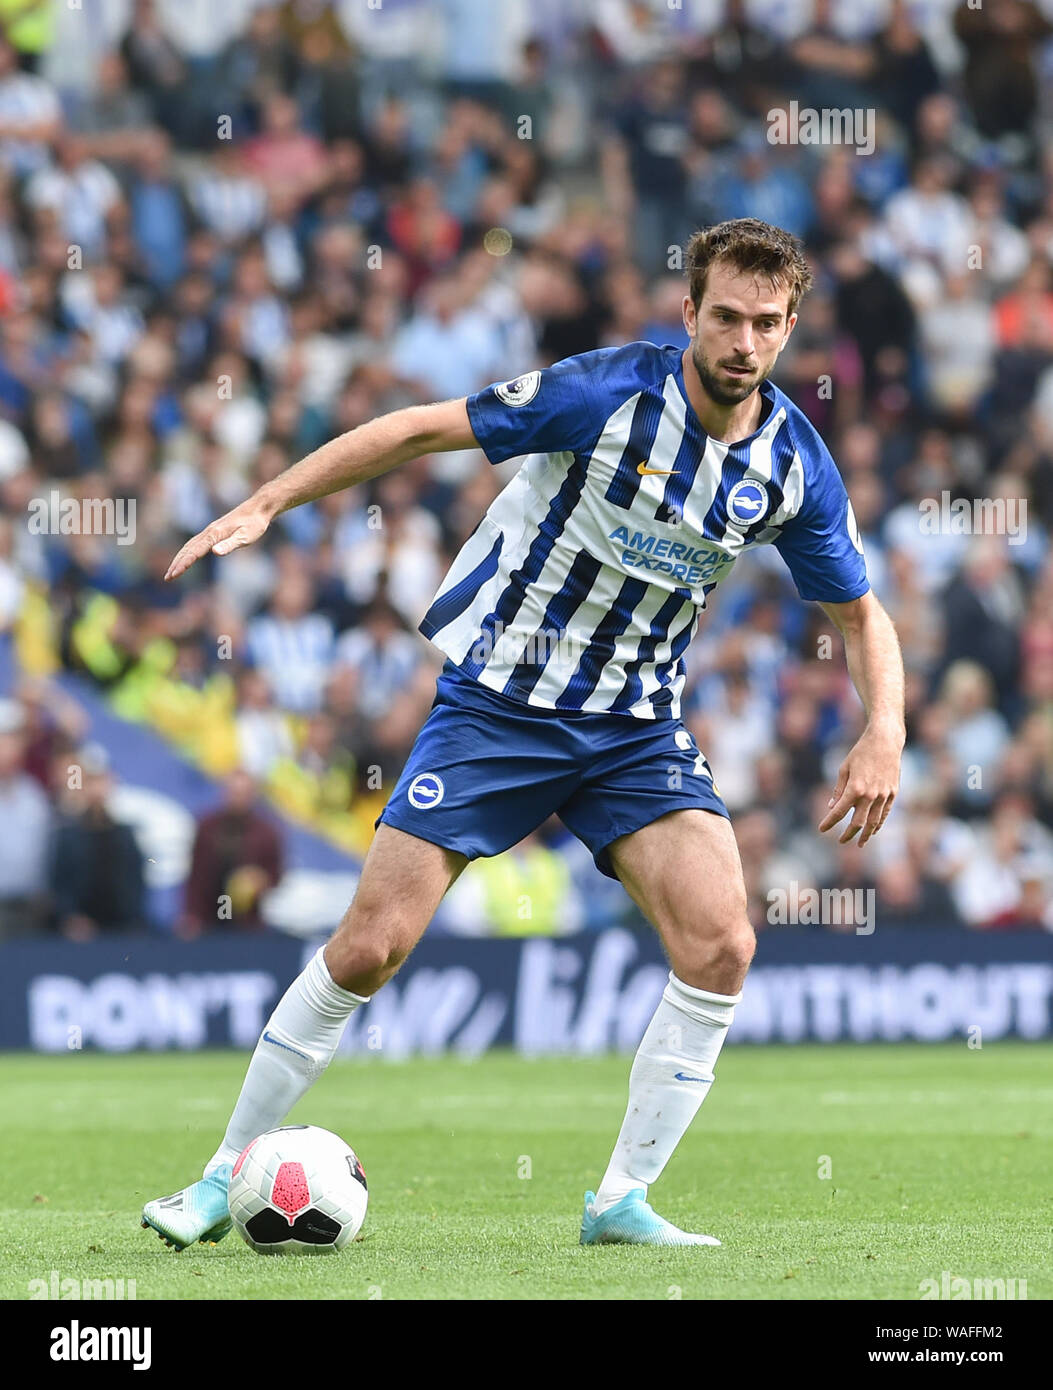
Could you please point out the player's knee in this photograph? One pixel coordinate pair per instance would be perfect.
(369, 945)
(735, 948)
(388, 914)
(362, 961)
(719, 958)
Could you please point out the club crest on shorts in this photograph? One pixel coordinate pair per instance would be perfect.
(519, 390)
(426, 791)
(747, 502)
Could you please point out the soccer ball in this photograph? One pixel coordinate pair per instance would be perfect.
(298, 1190)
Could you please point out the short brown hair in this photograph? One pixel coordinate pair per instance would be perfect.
(751, 246)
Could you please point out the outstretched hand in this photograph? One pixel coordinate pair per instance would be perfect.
(867, 782)
(245, 524)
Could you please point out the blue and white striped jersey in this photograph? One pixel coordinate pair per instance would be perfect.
(584, 583)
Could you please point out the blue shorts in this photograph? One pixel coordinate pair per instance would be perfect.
(486, 770)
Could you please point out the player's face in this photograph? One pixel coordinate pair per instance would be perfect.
(741, 326)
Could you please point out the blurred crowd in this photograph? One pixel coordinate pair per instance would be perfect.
(228, 233)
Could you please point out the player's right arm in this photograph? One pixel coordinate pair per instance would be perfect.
(354, 457)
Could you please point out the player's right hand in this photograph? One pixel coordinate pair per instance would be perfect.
(241, 526)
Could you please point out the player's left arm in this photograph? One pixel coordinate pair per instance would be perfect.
(868, 779)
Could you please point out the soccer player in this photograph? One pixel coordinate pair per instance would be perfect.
(565, 619)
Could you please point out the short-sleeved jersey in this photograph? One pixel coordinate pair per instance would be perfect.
(584, 582)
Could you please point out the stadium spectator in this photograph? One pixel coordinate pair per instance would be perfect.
(735, 731)
(977, 735)
(982, 612)
(382, 655)
(904, 73)
(155, 66)
(1002, 249)
(230, 201)
(827, 68)
(480, 45)
(873, 311)
(30, 115)
(1010, 857)
(1000, 80)
(285, 159)
(29, 28)
(957, 336)
(158, 210)
(95, 866)
(1025, 314)
(263, 732)
(113, 117)
(79, 192)
(390, 547)
(928, 226)
(53, 725)
(446, 344)
(645, 162)
(259, 62)
(907, 896)
(291, 645)
(237, 857)
(23, 846)
(768, 188)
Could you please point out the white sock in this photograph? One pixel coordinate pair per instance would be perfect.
(670, 1078)
(294, 1049)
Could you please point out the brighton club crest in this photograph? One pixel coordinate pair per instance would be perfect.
(748, 503)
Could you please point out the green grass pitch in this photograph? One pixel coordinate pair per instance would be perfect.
(939, 1160)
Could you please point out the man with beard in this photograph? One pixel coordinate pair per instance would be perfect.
(565, 619)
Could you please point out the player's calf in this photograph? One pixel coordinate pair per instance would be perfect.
(710, 943)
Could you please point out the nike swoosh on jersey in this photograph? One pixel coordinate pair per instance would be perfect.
(646, 472)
